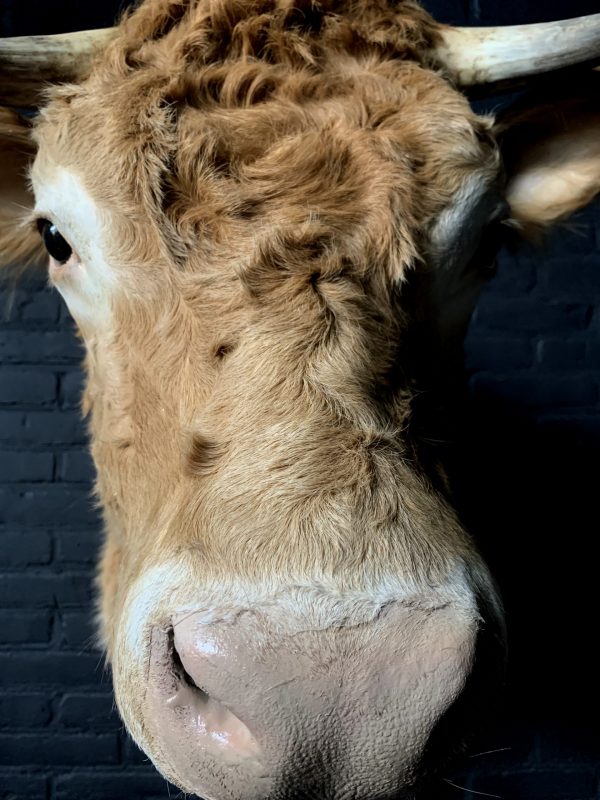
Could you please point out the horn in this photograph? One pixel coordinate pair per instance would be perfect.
(27, 63)
(489, 55)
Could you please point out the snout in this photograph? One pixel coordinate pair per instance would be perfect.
(254, 703)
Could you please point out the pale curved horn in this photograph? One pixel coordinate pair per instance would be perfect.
(487, 55)
(27, 63)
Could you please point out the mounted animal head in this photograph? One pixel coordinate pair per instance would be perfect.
(256, 211)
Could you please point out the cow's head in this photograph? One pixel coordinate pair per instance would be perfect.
(249, 208)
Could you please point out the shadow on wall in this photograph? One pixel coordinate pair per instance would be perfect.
(529, 493)
(525, 475)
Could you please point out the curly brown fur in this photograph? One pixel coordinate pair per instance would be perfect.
(260, 177)
(271, 171)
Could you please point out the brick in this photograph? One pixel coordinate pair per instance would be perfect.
(25, 710)
(572, 277)
(40, 306)
(504, 353)
(530, 390)
(515, 275)
(530, 315)
(65, 427)
(78, 629)
(76, 466)
(22, 466)
(42, 428)
(22, 787)
(39, 347)
(71, 389)
(77, 547)
(88, 712)
(10, 295)
(51, 668)
(592, 354)
(25, 627)
(27, 590)
(136, 784)
(26, 387)
(12, 423)
(552, 784)
(57, 749)
(50, 504)
(30, 590)
(560, 354)
(25, 548)
(74, 589)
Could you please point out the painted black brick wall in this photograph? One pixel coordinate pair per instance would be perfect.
(526, 457)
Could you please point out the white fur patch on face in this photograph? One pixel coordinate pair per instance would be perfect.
(86, 281)
(146, 599)
(167, 593)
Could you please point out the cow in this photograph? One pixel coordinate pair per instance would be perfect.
(268, 220)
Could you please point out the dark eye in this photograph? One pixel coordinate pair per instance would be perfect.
(58, 248)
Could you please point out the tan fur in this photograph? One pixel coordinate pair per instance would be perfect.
(269, 191)
(271, 171)
(268, 174)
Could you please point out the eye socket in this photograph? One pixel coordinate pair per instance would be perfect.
(56, 245)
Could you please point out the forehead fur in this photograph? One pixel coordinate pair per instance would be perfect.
(222, 123)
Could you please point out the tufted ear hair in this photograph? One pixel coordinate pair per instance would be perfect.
(19, 241)
(550, 141)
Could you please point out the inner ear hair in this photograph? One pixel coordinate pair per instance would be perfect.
(20, 244)
(550, 142)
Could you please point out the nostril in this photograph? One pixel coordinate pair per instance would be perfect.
(179, 669)
(196, 714)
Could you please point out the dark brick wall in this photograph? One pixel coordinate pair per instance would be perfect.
(526, 467)
(59, 735)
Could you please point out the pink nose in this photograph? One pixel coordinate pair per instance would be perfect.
(260, 705)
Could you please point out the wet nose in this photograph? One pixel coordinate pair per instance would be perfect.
(259, 703)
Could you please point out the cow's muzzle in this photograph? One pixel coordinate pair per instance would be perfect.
(263, 704)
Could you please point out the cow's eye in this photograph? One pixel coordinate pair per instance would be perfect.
(56, 245)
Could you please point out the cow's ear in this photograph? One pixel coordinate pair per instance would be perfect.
(20, 243)
(550, 141)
